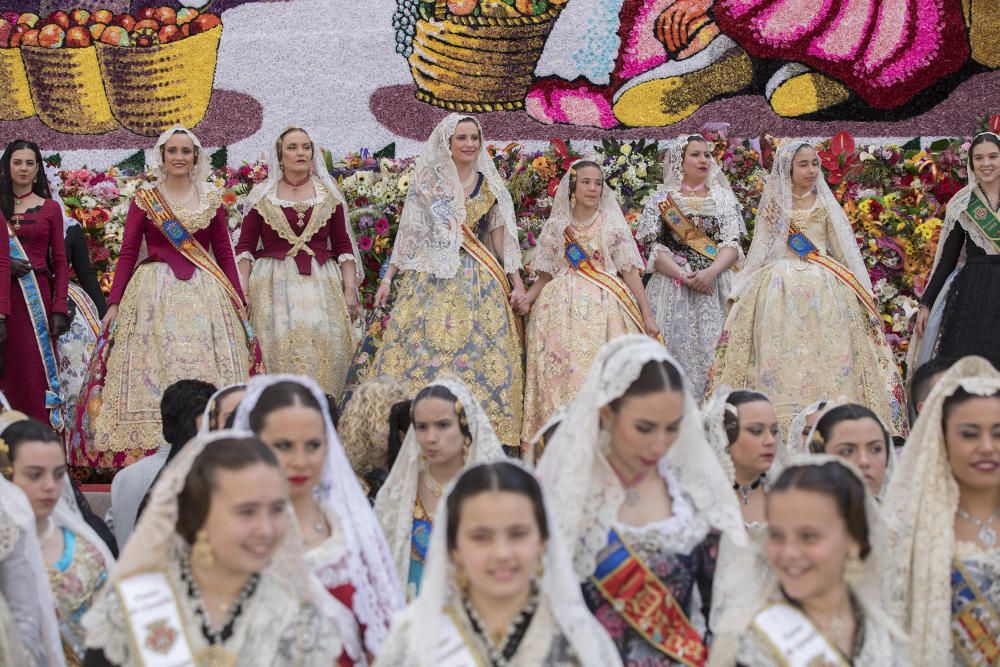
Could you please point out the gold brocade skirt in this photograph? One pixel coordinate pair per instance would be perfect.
(800, 335)
(302, 321)
(168, 330)
(570, 322)
(461, 326)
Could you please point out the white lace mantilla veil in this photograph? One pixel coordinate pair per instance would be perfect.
(919, 512)
(202, 168)
(796, 442)
(558, 587)
(269, 188)
(205, 427)
(550, 257)
(721, 191)
(14, 507)
(377, 592)
(770, 237)
(580, 486)
(749, 583)
(395, 500)
(154, 545)
(713, 416)
(430, 228)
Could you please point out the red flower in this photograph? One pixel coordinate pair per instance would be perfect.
(840, 158)
(995, 123)
(553, 186)
(876, 208)
(560, 147)
(946, 189)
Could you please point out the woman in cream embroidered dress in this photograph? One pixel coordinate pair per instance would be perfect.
(77, 560)
(494, 517)
(168, 319)
(796, 332)
(821, 513)
(344, 544)
(452, 314)
(688, 291)
(630, 458)
(302, 287)
(942, 513)
(572, 317)
(448, 431)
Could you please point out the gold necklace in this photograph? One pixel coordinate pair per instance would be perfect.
(804, 196)
(434, 486)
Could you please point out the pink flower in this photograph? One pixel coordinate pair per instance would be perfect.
(381, 226)
(365, 243)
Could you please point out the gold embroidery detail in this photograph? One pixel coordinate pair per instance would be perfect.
(323, 206)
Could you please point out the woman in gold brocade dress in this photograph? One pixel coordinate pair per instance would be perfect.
(300, 265)
(580, 306)
(458, 251)
(805, 324)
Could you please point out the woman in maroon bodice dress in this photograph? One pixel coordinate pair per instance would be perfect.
(38, 283)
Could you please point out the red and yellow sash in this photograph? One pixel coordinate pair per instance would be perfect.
(646, 604)
(804, 248)
(155, 205)
(975, 624)
(481, 254)
(686, 231)
(578, 258)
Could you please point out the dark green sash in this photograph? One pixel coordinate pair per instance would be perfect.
(985, 218)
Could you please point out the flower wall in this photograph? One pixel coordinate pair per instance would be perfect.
(894, 195)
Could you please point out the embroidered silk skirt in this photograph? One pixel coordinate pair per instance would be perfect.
(570, 321)
(461, 326)
(302, 321)
(800, 335)
(167, 330)
(74, 350)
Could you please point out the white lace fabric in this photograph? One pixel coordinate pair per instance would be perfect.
(202, 168)
(430, 228)
(419, 628)
(395, 500)
(618, 249)
(774, 215)
(367, 560)
(919, 511)
(321, 181)
(745, 582)
(582, 489)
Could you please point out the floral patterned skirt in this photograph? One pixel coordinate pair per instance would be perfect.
(302, 321)
(74, 350)
(800, 335)
(461, 326)
(570, 322)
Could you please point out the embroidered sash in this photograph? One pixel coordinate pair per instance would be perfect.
(975, 623)
(685, 230)
(985, 218)
(154, 620)
(472, 245)
(794, 640)
(83, 307)
(155, 205)
(455, 647)
(578, 258)
(40, 324)
(804, 248)
(646, 604)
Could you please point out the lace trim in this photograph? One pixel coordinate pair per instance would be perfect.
(201, 217)
(323, 205)
(680, 532)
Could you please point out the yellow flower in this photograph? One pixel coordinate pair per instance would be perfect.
(626, 149)
(901, 226)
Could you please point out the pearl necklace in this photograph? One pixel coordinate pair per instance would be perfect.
(805, 196)
(987, 535)
(586, 224)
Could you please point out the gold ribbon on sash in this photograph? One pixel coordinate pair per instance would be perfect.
(686, 231)
(794, 640)
(481, 254)
(578, 258)
(975, 624)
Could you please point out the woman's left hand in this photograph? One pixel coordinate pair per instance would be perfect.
(702, 281)
(351, 297)
(652, 328)
(517, 298)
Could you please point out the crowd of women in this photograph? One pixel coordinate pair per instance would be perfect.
(703, 470)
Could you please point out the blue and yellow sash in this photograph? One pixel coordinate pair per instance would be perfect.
(975, 624)
(804, 248)
(646, 604)
(985, 218)
(40, 323)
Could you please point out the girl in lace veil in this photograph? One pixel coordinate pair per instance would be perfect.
(855, 433)
(459, 257)
(635, 487)
(448, 431)
(221, 406)
(798, 433)
(691, 227)
(742, 429)
(834, 610)
(804, 274)
(588, 291)
(965, 267)
(942, 511)
(554, 626)
(184, 547)
(300, 264)
(175, 283)
(345, 547)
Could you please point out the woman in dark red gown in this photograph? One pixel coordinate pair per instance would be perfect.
(38, 284)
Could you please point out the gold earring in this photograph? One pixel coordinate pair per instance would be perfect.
(853, 569)
(461, 579)
(201, 551)
(539, 569)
